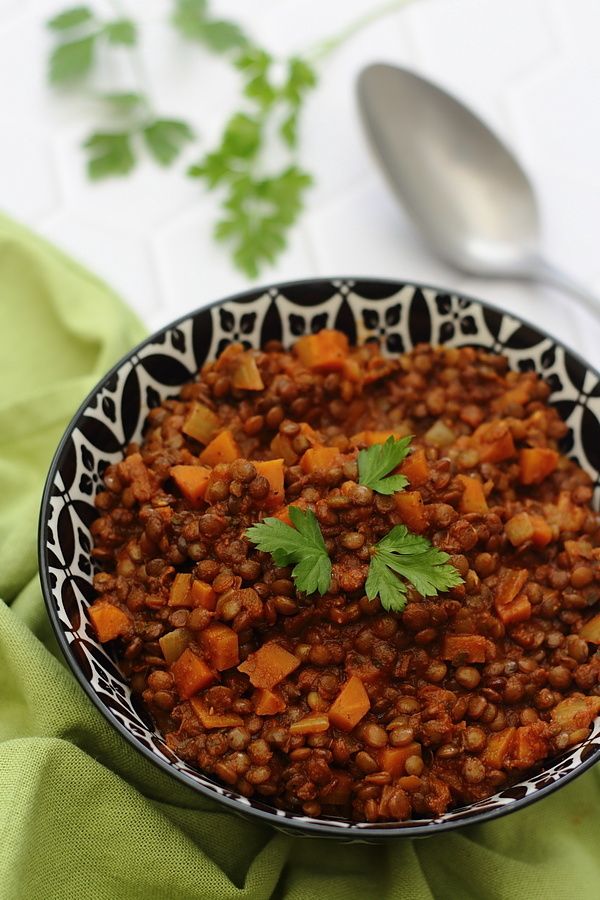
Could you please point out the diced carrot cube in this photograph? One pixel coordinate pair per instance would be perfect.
(393, 759)
(316, 723)
(109, 620)
(326, 351)
(191, 481)
(499, 747)
(590, 632)
(319, 458)
(518, 610)
(267, 703)
(220, 643)
(337, 792)
(519, 395)
(378, 437)
(272, 470)
(203, 595)
(412, 510)
(542, 532)
(180, 592)
(269, 665)
(222, 449)
(473, 498)
(209, 719)
(350, 705)
(201, 424)
(191, 674)
(494, 441)
(536, 463)
(416, 468)
(511, 582)
(465, 648)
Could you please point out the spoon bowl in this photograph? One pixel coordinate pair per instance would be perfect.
(462, 186)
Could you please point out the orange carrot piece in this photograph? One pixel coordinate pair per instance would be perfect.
(520, 395)
(203, 595)
(269, 665)
(245, 374)
(464, 648)
(180, 592)
(350, 705)
(222, 449)
(267, 703)
(518, 610)
(499, 747)
(393, 759)
(536, 463)
(272, 470)
(412, 510)
(326, 351)
(337, 792)
(319, 458)
(209, 719)
(473, 496)
(109, 620)
(494, 442)
(542, 532)
(220, 643)
(201, 424)
(191, 481)
(531, 745)
(377, 437)
(191, 674)
(316, 723)
(511, 582)
(416, 468)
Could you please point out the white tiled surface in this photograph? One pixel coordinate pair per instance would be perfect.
(531, 67)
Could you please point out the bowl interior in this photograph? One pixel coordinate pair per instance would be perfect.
(400, 315)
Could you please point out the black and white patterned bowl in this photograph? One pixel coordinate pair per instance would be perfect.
(400, 315)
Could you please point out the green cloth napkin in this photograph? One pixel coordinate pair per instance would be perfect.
(83, 816)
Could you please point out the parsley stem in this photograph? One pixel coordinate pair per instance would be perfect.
(325, 48)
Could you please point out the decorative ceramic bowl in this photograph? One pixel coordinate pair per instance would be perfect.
(400, 315)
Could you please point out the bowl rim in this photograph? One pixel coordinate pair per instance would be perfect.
(292, 821)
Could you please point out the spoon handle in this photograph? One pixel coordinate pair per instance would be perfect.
(542, 270)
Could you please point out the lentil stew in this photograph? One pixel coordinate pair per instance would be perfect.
(332, 705)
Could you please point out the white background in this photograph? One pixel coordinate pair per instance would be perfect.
(531, 67)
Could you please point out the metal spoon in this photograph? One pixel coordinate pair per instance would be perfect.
(462, 186)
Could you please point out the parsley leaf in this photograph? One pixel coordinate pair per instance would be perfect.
(121, 31)
(191, 17)
(258, 214)
(303, 545)
(416, 560)
(124, 101)
(165, 138)
(73, 59)
(111, 154)
(71, 18)
(376, 462)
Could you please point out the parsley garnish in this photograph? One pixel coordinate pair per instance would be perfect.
(415, 559)
(376, 463)
(303, 545)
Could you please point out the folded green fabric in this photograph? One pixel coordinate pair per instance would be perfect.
(85, 817)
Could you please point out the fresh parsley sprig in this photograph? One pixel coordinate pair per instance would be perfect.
(376, 462)
(414, 559)
(302, 545)
(112, 151)
(258, 208)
